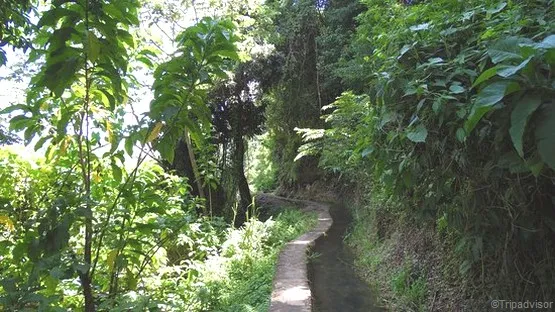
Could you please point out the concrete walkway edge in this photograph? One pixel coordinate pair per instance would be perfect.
(291, 289)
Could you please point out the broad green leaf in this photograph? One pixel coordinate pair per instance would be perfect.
(146, 61)
(21, 122)
(230, 54)
(50, 284)
(15, 107)
(486, 99)
(65, 73)
(41, 141)
(367, 151)
(475, 116)
(545, 135)
(111, 98)
(507, 70)
(126, 37)
(30, 133)
(117, 172)
(51, 17)
(93, 47)
(486, 75)
(418, 135)
(111, 258)
(505, 49)
(113, 10)
(166, 148)
(495, 92)
(129, 146)
(520, 115)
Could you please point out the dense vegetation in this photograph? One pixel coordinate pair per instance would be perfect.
(435, 118)
(125, 210)
(446, 128)
(159, 253)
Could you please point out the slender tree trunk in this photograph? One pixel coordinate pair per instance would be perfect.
(85, 160)
(193, 160)
(242, 183)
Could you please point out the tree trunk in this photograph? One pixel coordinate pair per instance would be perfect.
(193, 160)
(87, 292)
(242, 183)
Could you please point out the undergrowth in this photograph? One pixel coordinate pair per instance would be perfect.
(184, 261)
(409, 269)
(239, 277)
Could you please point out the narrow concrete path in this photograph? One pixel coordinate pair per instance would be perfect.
(291, 290)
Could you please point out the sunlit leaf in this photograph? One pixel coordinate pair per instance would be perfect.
(486, 99)
(155, 132)
(456, 89)
(498, 8)
(93, 47)
(7, 222)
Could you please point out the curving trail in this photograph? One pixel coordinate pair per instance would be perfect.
(291, 290)
(333, 284)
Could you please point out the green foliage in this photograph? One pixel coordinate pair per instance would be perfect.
(88, 216)
(6, 137)
(14, 25)
(518, 62)
(40, 246)
(295, 100)
(450, 117)
(204, 52)
(261, 171)
(238, 277)
(84, 229)
(165, 256)
(410, 288)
